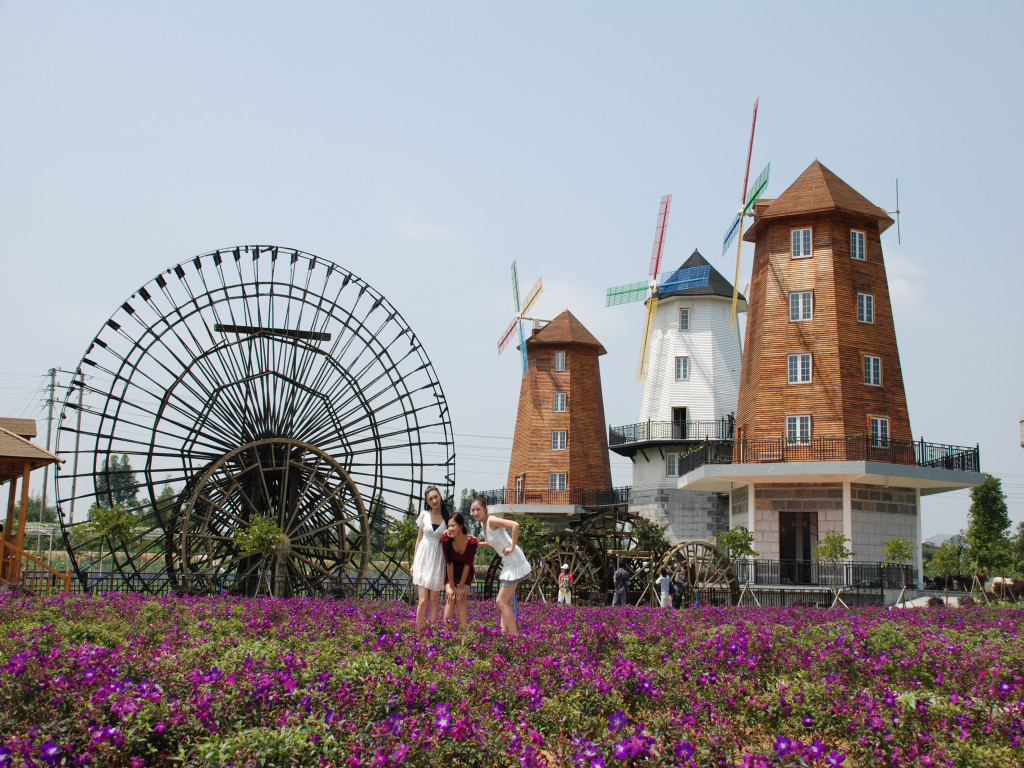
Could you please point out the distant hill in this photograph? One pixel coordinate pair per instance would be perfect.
(938, 538)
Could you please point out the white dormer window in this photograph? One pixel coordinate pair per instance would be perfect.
(856, 245)
(684, 318)
(801, 243)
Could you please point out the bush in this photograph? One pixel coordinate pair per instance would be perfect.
(936, 602)
(966, 601)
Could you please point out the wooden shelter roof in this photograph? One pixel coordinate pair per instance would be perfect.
(817, 190)
(16, 452)
(566, 329)
(22, 427)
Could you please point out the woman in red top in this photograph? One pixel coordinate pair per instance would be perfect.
(459, 550)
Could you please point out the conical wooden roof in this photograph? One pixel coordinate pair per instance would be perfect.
(716, 285)
(566, 329)
(819, 190)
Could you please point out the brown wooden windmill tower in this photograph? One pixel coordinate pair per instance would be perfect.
(560, 447)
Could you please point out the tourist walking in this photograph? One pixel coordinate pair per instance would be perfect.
(459, 549)
(620, 579)
(565, 585)
(664, 582)
(681, 585)
(428, 561)
(502, 535)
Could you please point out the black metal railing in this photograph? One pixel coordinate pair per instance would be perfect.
(814, 573)
(649, 431)
(583, 497)
(848, 448)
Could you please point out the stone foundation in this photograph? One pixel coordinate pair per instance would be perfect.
(688, 514)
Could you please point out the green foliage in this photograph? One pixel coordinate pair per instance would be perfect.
(401, 536)
(650, 537)
(898, 551)
(380, 524)
(116, 483)
(112, 524)
(950, 558)
(34, 502)
(832, 548)
(1017, 553)
(988, 523)
(531, 531)
(260, 538)
(737, 542)
(473, 528)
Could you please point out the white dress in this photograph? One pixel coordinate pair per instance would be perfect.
(428, 562)
(515, 565)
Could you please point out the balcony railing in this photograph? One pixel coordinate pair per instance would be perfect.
(648, 431)
(813, 573)
(583, 497)
(850, 448)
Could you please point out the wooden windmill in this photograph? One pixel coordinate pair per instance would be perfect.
(746, 203)
(657, 285)
(517, 321)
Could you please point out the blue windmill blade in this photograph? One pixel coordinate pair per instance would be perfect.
(730, 234)
(683, 279)
(522, 348)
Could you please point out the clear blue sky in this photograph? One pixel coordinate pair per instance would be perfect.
(426, 146)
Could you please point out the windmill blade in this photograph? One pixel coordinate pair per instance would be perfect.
(532, 296)
(750, 150)
(506, 337)
(515, 286)
(730, 234)
(626, 294)
(760, 184)
(743, 202)
(659, 235)
(683, 279)
(899, 237)
(641, 367)
(522, 347)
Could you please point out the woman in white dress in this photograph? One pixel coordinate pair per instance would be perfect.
(428, 560)
(502, 535)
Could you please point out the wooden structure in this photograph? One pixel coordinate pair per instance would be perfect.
(560, 441)
(820, 324)
(18, 458)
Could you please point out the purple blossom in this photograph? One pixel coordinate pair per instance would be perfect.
(50, 753)
(684, 751)
(834, 759)
(443, 717)
(783, 746)
(617, 720)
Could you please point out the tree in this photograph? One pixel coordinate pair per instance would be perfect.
(116, 482)
(111, 525)
(49, 514)
(650, 537)
(899, 551)
(401, 537)
(988, 523)
(377, 516)
(949, 559)
(832, 548)
(473, 528)
(262, 538)
(530, 533)
(1018, 549)
(737, 542)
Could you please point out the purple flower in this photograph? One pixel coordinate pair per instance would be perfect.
(817, 749)
(50, 753)
(620, 750)
(834, 759)
(5, 758)
(684, 750)
(783, 746)
(808, 721)
(443, 719)
(617, 720)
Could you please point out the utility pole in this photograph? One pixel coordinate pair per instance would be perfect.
(46, 469)
(80, 383)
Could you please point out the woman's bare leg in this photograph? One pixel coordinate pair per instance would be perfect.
(508, 615)
(422, 606)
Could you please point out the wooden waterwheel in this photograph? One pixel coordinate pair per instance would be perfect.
(710, 575)
(585, 561)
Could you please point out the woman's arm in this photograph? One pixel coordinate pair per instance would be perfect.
(512, 526)
(468, 557)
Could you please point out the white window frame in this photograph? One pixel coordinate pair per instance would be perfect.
(879, 431)
(800, 242)
(799, 368)
(683, 318)
(559, 404)
(873, 370)
(865, 308)
(559, 361)
(798, 429)
(682, 361)
(858, 243)
(801, 306)
(671, 465)
(558, 440)
(556, 481)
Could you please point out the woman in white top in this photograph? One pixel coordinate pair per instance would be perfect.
(502, 535)
(428, 560)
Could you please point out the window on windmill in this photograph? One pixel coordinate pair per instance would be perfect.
(684, 318)
(558, 440)
(857, 245)
(873, 370)
(556, 481)
(801, 243)
(559, 402)
(865, 308)
(798, 368)
(800, 306)
(682, 368)
(798, 430)
(879, 432)
(559, 361)
(671, 465)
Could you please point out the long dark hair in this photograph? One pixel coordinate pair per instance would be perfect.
(445, 514)
(460, 521)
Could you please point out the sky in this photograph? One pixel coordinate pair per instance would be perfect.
(425, 147)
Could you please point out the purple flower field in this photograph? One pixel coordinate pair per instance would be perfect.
(123, 680)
